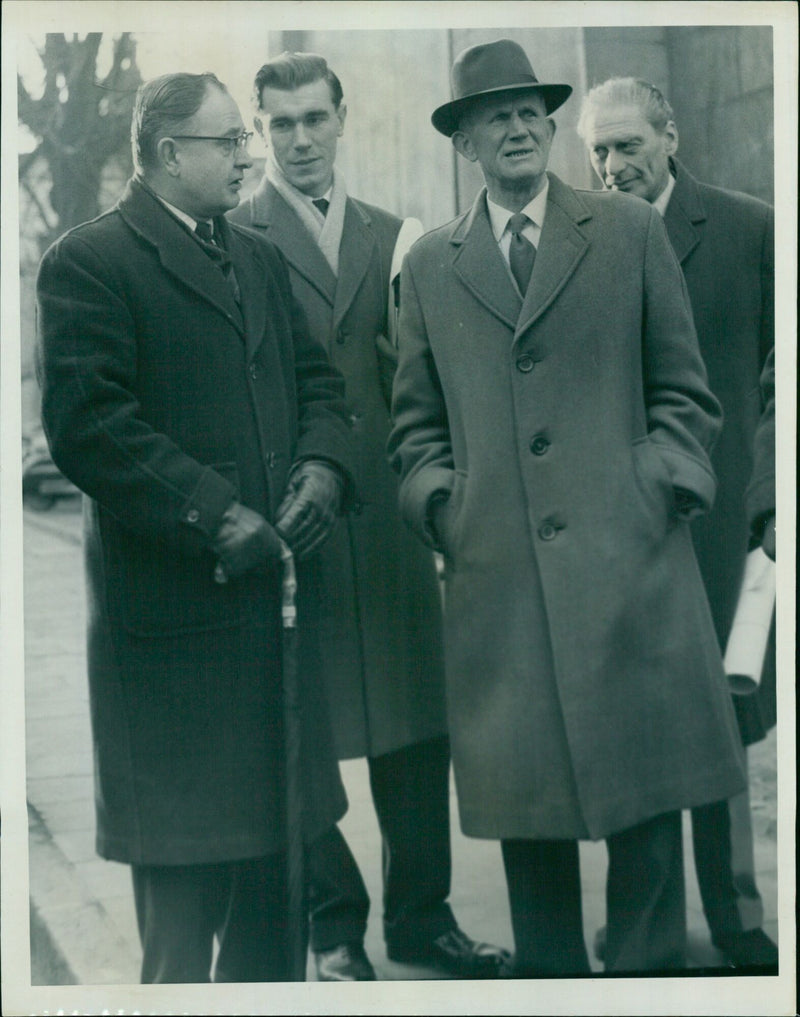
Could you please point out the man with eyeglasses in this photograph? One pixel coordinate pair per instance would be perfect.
(183, 395)
(375, 629)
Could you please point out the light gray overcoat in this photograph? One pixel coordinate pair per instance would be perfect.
(584, 682)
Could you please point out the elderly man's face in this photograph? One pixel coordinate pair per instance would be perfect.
(510, 136)
(210, 172)
(627, 152)
(304, 127)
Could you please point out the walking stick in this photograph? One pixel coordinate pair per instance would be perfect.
(297, 918)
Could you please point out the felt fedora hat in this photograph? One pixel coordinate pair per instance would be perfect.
(488, 68)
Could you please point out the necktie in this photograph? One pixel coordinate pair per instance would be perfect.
(205, 231)
(219, 256)
(521, 253)
(321, 203)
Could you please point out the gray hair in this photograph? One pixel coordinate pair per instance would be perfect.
(161, 108)
(629, 92)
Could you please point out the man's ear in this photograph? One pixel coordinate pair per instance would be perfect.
(670, 138)
(552, 127)
(341, 115)
(463, 145)
(258, 123)
(168, 157)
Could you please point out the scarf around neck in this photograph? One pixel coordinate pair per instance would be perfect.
(327, 230)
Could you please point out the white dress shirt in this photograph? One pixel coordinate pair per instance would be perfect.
(661, 202)
(535, 211)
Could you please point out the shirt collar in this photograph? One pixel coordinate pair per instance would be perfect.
(184, 217)
(535, 211)
(661, 202)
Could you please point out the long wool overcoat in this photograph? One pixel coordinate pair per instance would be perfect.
(584, 681)
(374, 606)
(725, 244)
(163, 401)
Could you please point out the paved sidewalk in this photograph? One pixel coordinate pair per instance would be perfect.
(83, 922)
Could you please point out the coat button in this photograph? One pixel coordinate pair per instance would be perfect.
(253, 372)
(340, 337)
(271, 460)
(539, 445)
(193, 516)
(547, 531)
(358, 508)
(525, 363)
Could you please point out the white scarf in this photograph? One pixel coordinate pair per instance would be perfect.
(326, 230)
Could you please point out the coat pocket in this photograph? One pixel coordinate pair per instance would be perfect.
(451, 517)
(653, 482)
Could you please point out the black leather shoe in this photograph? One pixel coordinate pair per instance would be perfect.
(455, 953)
(344, 963)
(751, 949)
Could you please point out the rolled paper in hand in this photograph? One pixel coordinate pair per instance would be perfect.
(747, 642)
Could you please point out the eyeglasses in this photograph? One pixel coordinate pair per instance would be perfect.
(241, 141)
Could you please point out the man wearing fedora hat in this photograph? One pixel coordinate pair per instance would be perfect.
(552, 431)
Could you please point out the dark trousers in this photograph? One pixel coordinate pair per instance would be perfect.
(181, 908)
(722, 836)
(410, 791)
(645, 902)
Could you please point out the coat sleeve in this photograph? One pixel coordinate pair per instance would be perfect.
(760, 493)
(684, 418)
(87, 363)
(419, 445)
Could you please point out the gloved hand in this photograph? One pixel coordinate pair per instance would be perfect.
(244, 541)
(307, 514)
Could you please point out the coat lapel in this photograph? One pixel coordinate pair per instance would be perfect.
(180, 255)
(477, 261)
(684, 211)
(355, 255)
(251, 286)
(561, 247)
(271, 212)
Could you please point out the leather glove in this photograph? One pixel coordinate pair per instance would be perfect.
(244, 541)
(307, 514)
(768, 537)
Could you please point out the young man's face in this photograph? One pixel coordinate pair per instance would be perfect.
(627, 152)
(303, 127)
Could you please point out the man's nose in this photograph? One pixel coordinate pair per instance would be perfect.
(301, 139)
(615, 162)
(243, 158)
(517, 126)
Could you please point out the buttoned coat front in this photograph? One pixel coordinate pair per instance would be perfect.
(725, 244)
(163, 401)
(584, 682)
(374, 611)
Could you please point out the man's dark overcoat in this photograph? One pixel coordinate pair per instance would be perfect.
(584, 681)
(163, 401)
(375, 604)
(725, 244)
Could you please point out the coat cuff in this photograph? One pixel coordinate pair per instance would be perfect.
(759, 500)
(204, 508)
(690, 475)
(418, 493)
